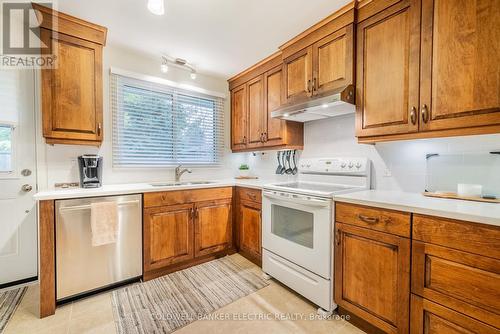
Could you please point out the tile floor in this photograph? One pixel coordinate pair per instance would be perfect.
(94, 315)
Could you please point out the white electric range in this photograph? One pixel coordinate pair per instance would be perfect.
(298, 225)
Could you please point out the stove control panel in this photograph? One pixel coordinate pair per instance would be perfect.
(349, 166)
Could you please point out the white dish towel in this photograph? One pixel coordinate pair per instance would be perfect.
(104, 223)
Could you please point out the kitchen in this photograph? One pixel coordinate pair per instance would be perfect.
(320, 167)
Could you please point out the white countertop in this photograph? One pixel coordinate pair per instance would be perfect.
(134, 188)
(486, 213)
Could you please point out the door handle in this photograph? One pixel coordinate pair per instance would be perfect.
(27, 188)
(367, 219)
(425, 113)
(413, 115)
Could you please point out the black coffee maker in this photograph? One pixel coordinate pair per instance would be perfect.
(90, 166)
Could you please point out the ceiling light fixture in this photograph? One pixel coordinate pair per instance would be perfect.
(177, 62)
(156, 7)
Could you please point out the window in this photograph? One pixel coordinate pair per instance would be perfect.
(158, 125)
(5, 148)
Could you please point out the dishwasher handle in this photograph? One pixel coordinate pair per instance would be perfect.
(87, 206)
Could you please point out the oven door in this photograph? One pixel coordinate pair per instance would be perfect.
(298, 228)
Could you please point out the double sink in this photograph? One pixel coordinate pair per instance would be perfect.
(175, 184)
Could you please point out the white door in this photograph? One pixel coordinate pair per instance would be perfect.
(298, 228)
(18, 228)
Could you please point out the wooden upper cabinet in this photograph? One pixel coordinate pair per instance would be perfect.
(168, 235)
(239, 117)
(256, 112)
(388, 71)
(333, 58)
(460, 74)
(72, 88)
(213, 227)
(274, 128)
(298, 75)
(372, 276)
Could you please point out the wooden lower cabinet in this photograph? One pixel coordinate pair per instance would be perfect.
(184, 228)
(372, 276)
(250, 230)
(168, 235)
(249, 223)
(213, 227)
(428, 317)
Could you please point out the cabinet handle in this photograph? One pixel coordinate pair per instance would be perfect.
(367, 219)
(265, 137)
(413, 115)
(309, 86)
(192, 214)
(261, 137)
(244, 139)
(337, 237)
(314, 85)
(425, 113)
(196, 214)
(99, 128)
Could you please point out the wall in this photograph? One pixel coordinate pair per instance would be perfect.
(396, 165)
(58, 163)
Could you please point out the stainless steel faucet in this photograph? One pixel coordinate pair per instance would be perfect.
(179, 171)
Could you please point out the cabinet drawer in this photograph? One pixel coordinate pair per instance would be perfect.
(428, 317)
(383, 220)
(465, 282)
(249, 194)
(186, 196)
(469, 237)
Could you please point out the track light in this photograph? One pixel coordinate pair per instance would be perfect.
(167, 61)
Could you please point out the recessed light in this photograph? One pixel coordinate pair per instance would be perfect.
(156, 7)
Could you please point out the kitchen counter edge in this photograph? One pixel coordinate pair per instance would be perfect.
(477, 212)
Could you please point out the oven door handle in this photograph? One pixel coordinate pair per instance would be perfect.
(298, 200)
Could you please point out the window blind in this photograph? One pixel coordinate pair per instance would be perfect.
(159, 125)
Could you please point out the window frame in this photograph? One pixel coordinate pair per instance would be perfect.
(13, 173)
(176, 90)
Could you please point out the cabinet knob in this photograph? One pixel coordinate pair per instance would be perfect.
(425, 113)
(413, 115)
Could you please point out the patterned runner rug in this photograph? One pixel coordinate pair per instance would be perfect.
(9, 301)
(167, 303)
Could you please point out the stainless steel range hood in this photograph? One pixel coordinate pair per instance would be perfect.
(340, 102)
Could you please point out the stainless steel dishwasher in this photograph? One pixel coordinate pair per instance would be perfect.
(82, 268)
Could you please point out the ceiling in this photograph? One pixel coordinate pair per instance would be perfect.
(220, 37)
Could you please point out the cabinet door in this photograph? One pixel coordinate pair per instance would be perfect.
(239, 118)
(72, 90)
(465, 282)
(431, 318)
(460, 79)
(249, 222)
(168, 235)
(256, 113)
(297, 76)
(274, 127)
(213, 227)
(388, 71)
(372, 276)
(333, 58)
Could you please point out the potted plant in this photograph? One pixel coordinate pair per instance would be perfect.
(244, 170)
